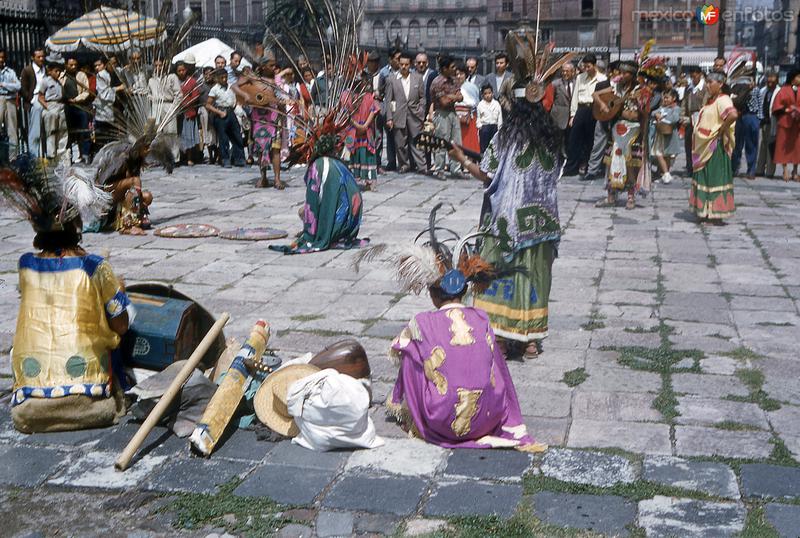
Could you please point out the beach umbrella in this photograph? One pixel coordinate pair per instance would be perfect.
(108, 29)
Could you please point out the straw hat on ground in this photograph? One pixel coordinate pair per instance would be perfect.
(270, 399)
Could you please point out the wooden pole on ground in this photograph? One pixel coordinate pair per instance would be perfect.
(155, 415)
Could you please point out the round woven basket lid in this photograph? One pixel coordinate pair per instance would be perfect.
(185, 231)
(253, 234)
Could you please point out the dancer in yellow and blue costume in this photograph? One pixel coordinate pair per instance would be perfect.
(73, 309)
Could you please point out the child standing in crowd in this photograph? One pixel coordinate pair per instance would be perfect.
(666, 142)
(51, 97)
(361, 140)
(490, 116)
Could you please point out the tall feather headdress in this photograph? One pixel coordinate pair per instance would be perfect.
(434, 264)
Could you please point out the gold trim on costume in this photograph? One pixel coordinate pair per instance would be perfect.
(711, 189)
(459, 328)
(430, 365)
(466, 408)
(490, 341)
(509, 312)
(413, 329)
(491, 376)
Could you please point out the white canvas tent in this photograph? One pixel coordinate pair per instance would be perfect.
(205, 52)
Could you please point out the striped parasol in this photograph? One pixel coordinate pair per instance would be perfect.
(108, 30)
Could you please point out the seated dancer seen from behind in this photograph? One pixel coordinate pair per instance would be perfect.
(453, 387)
(73, 310)
(520, 170)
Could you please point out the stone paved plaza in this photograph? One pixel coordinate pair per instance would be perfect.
(668, 389)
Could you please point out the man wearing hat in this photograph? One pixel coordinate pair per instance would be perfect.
(582, 122)
(693, 100)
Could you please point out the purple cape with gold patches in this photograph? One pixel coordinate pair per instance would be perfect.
(454, 389)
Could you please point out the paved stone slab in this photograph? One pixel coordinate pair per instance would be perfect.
(488, 464)
(196, 475)
(159, 442)
(709, 411)
(593, 405)
(96, 470)
(294, 530)
(551, 431)
(763, 480)
(29, 466)
(668, 517)
(608, 514)
(386, 524)
(424, 527)
(286, 453)
(243, 445)
(285, 484)
(715, 479)
(395, 495)
(714, 386)
(585, 467)
(643, 437)
(404, 457)
(785, 518)
(473, 498)
(699, 441)
(68, 439)
(334, 524)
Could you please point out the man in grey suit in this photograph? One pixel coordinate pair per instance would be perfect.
(562, 99)
(501, 73)
(405, 112)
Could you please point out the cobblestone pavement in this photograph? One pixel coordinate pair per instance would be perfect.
(668, 388)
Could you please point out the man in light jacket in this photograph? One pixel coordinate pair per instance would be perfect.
(562, 99)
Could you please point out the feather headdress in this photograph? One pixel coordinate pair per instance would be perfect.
(434, 264)
(741, 64)
(51, 199)
(533, 66)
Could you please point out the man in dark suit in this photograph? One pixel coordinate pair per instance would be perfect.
(405, 112)
(562, 98)
(428, 74)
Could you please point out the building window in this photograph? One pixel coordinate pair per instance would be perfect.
(197, 9)
(696, 32)
(395, 29)
(508, 6)
(225, 10)
(414, 34)
(433, 29)
(450, 28)
(587, 8)
(256, 11)
(379, 33)
(586, 37)
(545, 34)
(647, 30)
(474, 31)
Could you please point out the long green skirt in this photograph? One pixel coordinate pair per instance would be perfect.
(711, 196)
(517, 305)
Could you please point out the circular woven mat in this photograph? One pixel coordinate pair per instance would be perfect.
(185, 231)
(253, 234)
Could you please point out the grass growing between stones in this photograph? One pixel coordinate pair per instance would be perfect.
(307, 317)
(244, 516)
(735, 426)
(575, 377)
(635, 491)
(743, 354)
(757, 526)
(780, 454)
(523, 524)
(595, 321)
(640, 330)
(754, 381)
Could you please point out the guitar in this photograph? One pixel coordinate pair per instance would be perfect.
(430, 142)
(614, 103)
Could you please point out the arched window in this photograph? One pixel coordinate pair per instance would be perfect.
(433, 29)
(414, 34)
(474, 31)
(379, 33)
(395, 29)
(450, 28)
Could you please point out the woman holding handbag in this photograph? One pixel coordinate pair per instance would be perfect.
(666, 141)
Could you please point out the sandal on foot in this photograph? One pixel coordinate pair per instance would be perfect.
(262, 184)
(279, 186)
(531, 352)
(630, 204)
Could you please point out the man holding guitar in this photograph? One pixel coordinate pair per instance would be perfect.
(619, 102)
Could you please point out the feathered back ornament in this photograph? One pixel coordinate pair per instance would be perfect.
(51, 199)
(533, 68)
(434, 264)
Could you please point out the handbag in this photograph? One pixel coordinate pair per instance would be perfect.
(664, 128)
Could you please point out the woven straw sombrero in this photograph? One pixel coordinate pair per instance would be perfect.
(270, 399)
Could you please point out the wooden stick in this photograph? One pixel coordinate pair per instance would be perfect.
(124, 459)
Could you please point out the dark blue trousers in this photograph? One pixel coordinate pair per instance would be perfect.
(747, 128)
